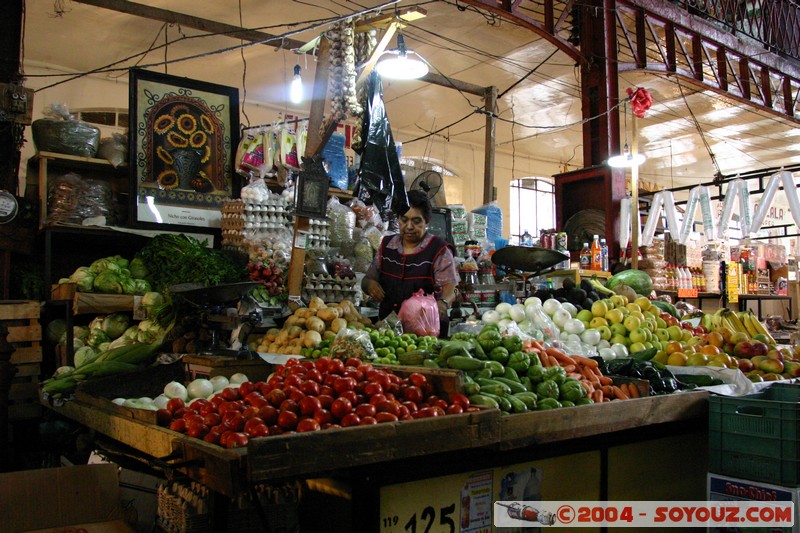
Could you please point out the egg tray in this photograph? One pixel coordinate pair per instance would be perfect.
(330, 288)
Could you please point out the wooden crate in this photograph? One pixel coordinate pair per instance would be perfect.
(208, 366)
(21, 317)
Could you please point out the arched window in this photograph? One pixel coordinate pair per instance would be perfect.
(533, 207)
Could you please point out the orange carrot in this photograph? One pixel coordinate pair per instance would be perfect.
(581, 360)
(576, 375)
(605, 380)
(597, 396)
(544, 360)
(562, 358)
(553, 360)
(619, 393)
(570, 368)
(608, 390)
(587, 386)
(634, 390)
(588, 374)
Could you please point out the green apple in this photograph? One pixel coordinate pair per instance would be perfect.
(686, 335)
(663, 334)
(636, 347)
(692, 340)
(675, 333)
(661, 323)
(637, 314)
(657, 344)
(619, 339)
(650, 324)
(605, 332)
(615, 316)
(598, 321)
(610, 303)
(631, 323)
(624, 310)
(619, 329)
(599, 308)
(643, 303)
(584, 315)
(634, 307)
(638, 335)
(619, 300)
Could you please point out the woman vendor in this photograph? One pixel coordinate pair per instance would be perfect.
(411, 260)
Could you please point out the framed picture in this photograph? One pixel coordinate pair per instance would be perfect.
(183, 134)
(311, 191)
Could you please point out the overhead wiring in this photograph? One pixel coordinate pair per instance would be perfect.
(244, 72)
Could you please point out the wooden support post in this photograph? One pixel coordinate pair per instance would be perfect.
(490, 104)
(314, 145)
(635, 222)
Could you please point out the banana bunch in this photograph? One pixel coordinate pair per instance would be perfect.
(600, 288)
(742, 321)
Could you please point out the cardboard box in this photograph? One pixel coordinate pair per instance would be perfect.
(728, 489)
(74, 498)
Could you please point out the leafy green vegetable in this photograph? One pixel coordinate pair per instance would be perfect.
(108, 282)
(138, 268)
(177, 258)
(115, 325)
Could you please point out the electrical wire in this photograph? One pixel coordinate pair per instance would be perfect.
(244, 71)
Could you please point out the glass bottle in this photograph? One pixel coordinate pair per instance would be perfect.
(597, 254)
(526, 239)
(586, 257)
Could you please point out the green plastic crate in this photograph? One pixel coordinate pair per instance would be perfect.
(757, 437)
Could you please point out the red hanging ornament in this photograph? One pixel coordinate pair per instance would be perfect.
(641, 100)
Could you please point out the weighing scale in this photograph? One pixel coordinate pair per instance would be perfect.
(524, 262)
(219, 308)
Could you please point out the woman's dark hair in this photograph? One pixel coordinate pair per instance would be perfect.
(419, 199)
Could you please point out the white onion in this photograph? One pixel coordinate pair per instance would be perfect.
(603, 344)
(173, 389)
(517, 313)
(219, 382)
(160, 401)
(560, 317)
(118, 401)
(238, 378)
(607, 354)
(532, 300)
(620, 349)
(504, 323)
(573, 311)
(550, 306)
(573, 325)
(591, 336)
(490, 317)
(200, 388)
(503, 308)
(146, 399)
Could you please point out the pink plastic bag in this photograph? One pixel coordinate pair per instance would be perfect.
(420, 314)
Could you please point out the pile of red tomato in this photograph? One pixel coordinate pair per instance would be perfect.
(306, 396)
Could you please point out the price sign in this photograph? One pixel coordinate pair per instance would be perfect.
(461, 503)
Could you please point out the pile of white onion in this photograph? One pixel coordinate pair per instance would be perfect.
(196, 389)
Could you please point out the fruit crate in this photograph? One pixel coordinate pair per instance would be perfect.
(757, 436)
(21, 317)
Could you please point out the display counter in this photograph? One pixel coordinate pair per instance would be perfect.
(371, 459)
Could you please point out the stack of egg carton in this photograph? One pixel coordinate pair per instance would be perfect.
(460, 227)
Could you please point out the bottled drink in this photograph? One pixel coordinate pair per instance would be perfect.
(597, 254)
(586, 257)
(526, 239)
(604, 266)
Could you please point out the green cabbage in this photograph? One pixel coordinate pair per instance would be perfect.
(128, 285)
(142, 286)
(84, 278)
(108, 282)
(97, 337)
(131, 332)
(138, 268)
(55, 329)
(85, 355)
(115, 325)
(80, 332)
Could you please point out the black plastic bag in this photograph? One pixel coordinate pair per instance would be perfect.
(380, 179)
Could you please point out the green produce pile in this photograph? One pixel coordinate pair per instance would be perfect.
(662, 381)
(177, 258)
(114, 361)
(111, 275)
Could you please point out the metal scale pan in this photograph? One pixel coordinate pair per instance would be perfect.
(214, 295)
(527, 261)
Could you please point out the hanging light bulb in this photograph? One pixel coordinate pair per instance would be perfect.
(400, 64)
(296, 87)
(626, 159)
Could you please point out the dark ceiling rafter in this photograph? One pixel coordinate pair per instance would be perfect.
(553, 21)
(237, 32)
(664, 40)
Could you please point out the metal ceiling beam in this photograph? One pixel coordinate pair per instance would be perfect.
(198, 23)
(553, 21)
(662, 39)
